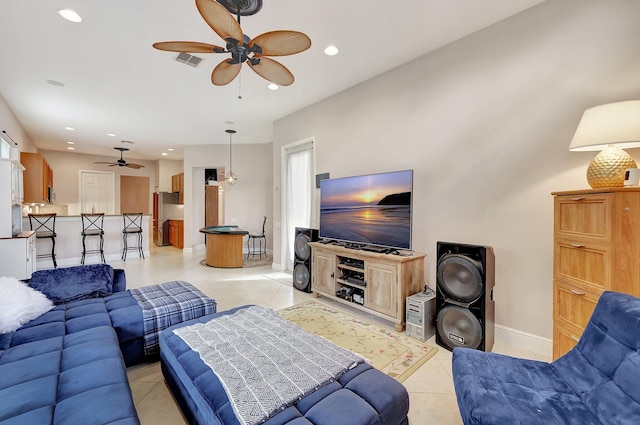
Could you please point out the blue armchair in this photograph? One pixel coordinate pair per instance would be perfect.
(597, 382)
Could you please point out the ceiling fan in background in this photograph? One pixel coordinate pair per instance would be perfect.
(218, 14)
(121, 162)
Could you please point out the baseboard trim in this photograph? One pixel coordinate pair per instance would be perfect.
(525, 340)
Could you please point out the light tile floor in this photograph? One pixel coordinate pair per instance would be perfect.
(430, 388)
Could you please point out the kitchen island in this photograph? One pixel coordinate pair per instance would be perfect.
(69, 241)
(224, 245)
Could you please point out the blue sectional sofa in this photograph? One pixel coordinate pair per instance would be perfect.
(68, 366)
(594, 383)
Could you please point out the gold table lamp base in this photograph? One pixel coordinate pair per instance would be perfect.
(608, 168)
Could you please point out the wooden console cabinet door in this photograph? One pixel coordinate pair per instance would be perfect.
(382, 288)
(323, 272)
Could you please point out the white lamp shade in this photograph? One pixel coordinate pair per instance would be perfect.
(610, 124)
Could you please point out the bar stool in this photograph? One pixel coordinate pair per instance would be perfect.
(260, 237)
(132, 226)
(45, 227)
(92, 226)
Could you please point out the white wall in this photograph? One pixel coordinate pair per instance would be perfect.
(244, 203)
(10, 124)
(485, 123)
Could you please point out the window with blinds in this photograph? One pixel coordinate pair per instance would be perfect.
(5, 147)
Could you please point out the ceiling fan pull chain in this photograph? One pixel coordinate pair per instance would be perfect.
(240, 86)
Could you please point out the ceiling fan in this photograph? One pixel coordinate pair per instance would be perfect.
(242, 48)
(121, 162)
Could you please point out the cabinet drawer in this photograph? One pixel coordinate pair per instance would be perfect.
(587, 266)
(584, 217)
(572, 306)
(564, 339)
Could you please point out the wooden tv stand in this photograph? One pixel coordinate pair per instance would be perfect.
(380, 283)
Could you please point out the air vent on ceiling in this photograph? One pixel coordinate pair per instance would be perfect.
(188, 59)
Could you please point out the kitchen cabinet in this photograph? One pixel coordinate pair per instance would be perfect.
(18, 255)
(596, 249)
(177, 185)
(10, 198)
(376, 283)
(176, 233)
(38, 178)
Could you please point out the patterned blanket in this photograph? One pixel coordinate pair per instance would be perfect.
(169, 304)
(264, 362)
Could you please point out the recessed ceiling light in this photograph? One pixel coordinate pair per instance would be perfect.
(111, 135)
(71, 143)
(331, 50)
(164, 154)
(273, 86)
(170, 149)
(69, 128)
(70, 15)
(71, 148)
(55, 83)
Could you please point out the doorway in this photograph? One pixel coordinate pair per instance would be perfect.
(134, 194)
(298, 200)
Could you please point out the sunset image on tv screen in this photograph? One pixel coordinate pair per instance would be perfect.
(372, 209)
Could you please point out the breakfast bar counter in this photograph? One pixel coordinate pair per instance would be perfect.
(69, 240)
(224, 245)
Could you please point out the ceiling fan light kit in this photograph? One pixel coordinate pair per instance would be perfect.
(254, 52)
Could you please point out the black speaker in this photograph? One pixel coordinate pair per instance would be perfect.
(302, 258)
(465, 310)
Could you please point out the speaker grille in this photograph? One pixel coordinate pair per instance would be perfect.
(460, 277)
(301, 277)
(301, 247)
(458, 327)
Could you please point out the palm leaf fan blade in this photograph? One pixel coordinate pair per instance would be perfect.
(273, 71)
(188, 47)
(219, 19)
(281, 43)
(225, 72)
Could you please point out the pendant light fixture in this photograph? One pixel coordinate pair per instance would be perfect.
(231, 178)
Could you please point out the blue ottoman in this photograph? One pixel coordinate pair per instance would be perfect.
(361, 396)
(168, 304)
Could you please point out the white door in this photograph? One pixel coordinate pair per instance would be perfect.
(97, 192)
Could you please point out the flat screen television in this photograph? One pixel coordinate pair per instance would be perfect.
(373, 209)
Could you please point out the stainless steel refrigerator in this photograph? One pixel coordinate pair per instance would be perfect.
(165, 207)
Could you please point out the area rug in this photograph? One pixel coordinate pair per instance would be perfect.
(392, 352)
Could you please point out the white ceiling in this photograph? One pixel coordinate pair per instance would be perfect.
(115, 82)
